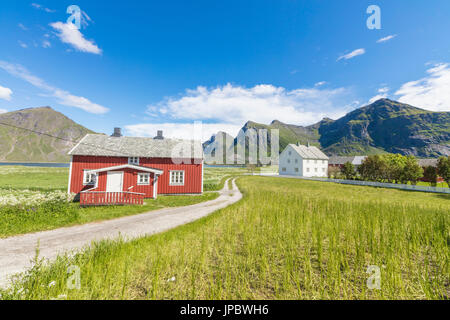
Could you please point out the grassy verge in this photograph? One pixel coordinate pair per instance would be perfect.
(287, 239)
(21, 219)
(214, 178)
(33, 178)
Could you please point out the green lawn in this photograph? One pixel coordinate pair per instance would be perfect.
(34, 178)
(427, 184)
(32, 187)
(287, 239)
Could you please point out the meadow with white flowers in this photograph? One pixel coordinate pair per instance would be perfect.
(12, 197)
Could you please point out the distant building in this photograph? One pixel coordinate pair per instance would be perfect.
(305, 161)
(429, 163)
(339, 162)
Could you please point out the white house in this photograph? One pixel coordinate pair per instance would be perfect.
(305, 161)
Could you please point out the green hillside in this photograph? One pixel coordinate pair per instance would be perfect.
(19, 145)
(384, 126)
(388, 126)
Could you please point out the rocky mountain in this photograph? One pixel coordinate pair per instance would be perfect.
(28, 135)
(383, 126)
(388, 126)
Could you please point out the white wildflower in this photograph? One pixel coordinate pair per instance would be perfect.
(30, 198)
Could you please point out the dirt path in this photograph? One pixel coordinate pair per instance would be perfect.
(17, 252)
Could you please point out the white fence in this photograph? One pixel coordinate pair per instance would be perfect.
(372, 184)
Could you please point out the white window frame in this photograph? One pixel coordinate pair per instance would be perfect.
(171, 178)
(307, 169)
(288, 160)
(296, 170)
(283, 169)
(142, 182)
(92, 182)
(133, 160)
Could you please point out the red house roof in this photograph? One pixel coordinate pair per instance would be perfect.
(102, 145)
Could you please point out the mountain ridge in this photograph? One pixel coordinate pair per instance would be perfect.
(383, 126)
(28, 135)
(380, 127)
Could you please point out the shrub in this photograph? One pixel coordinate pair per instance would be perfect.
(430, 175)
(444, 169)
(348, 170)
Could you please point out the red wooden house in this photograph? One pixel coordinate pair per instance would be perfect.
(125, 170)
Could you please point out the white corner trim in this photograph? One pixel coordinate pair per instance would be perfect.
(202, 172)
(79, 142)
(70, 175)
(155, 186)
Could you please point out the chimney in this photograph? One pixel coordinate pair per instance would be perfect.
(159, 135)
(117, 133)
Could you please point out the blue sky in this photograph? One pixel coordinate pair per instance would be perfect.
(164, 64)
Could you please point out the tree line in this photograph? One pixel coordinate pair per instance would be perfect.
(394, 168)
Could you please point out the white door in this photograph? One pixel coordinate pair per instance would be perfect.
(114, 181)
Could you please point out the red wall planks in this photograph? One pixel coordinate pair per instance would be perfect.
(192, 174)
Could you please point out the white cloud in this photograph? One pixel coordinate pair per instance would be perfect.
(63, 97)
(319, 84)
(3, 111)
(352, 54)
(67, 99)
(390, 37)
(261, 103)
(431, 92)
(46, 44)
(21, 26)
(180, 130)
(40, 7)
(382, 94)
(5, 93)
(68, 33)
(22, 44)
(383, 90)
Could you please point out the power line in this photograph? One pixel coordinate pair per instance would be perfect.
(56, 137)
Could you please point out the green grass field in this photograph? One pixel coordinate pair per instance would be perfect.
(33, 178)
(427, 184)
(286, 239)
(50, 215)
(31, 187)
